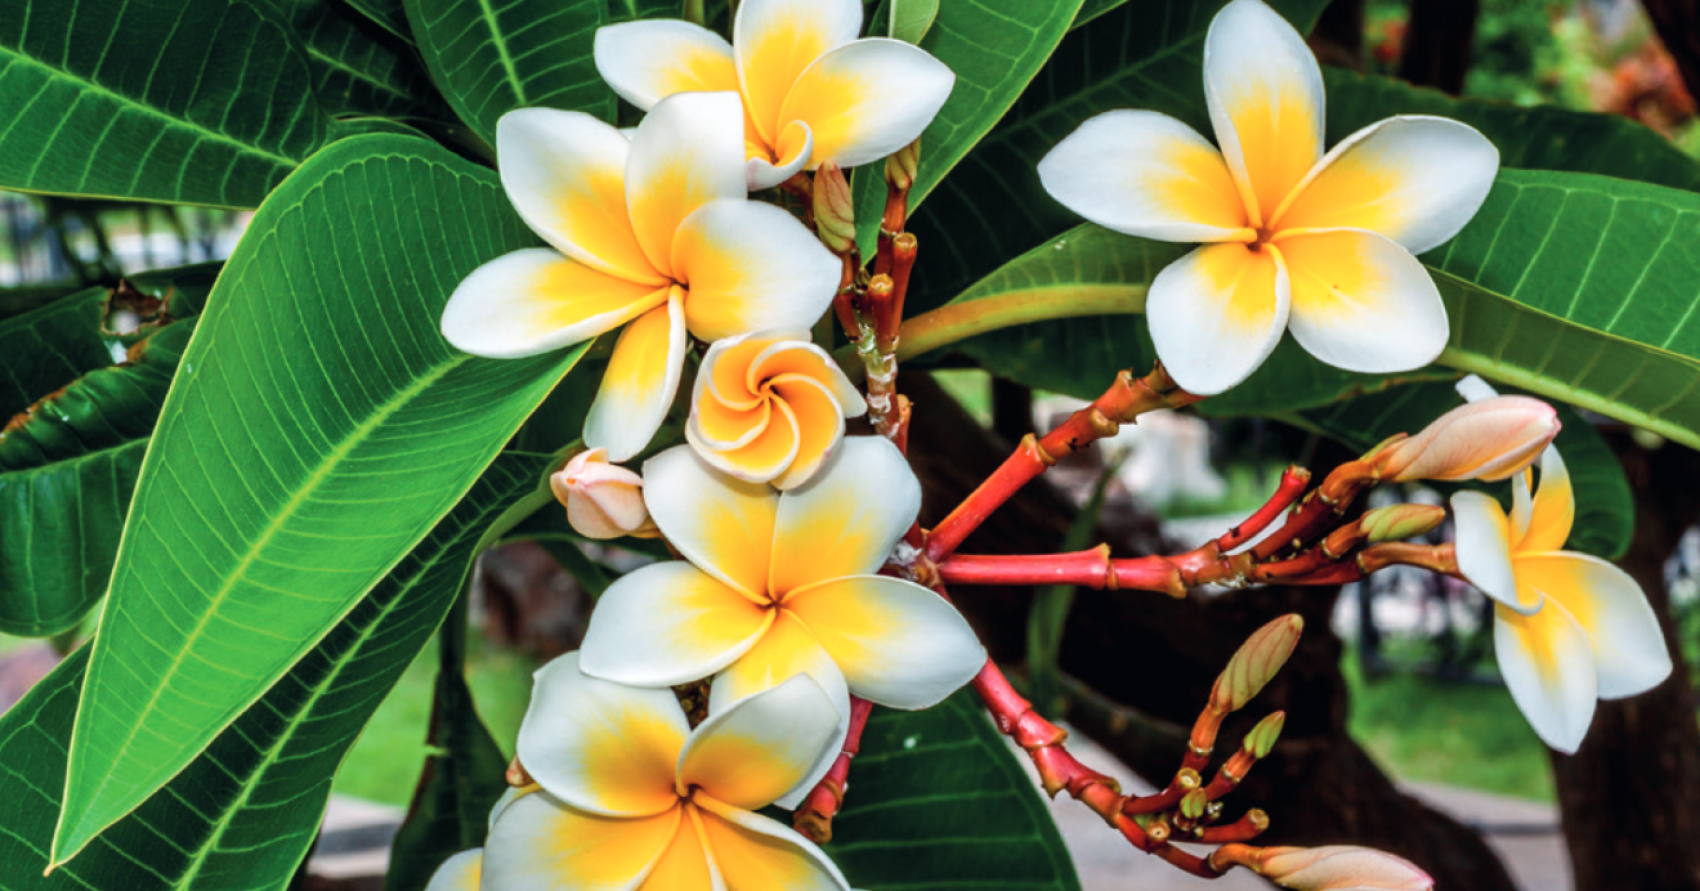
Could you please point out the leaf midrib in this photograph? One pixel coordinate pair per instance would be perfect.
(501, 45)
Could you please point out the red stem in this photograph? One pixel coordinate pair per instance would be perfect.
(1294, 480)
(814, 818)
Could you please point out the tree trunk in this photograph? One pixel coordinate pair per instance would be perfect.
(1678, 25)
(1437, 43)
(1338, 38)
(1630, 796)
(1153, 660)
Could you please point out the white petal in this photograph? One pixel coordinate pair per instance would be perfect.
(764, 174)
(543, 844)
(865, 100)
(1474, 389)
(641, 380)
(669, 623)
(648, 61)
(722, 525)
(1264, 91)
(1363, 303)
(898, 644)
(759, 748)
(750, 266)
(829, 527)
(1549, 669)
(754, 853)
(687, 152)
(775, 40)
(1146, 174)
(1629, 648)
(565, 173)
(1414, 179)
(1217, 313)
(1483, 534)
(535, 300)
(458, 873)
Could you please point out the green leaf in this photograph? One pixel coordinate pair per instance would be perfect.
(1540, 137)
(318, 428)
(938, 801)
(359, 70)
(464, 775)
(492, 56)
(391, 15)
(244, 813)
(199, 102)
(1605, 508)
(995, 47)
(69, 457)
(631, 10)
(911, 19)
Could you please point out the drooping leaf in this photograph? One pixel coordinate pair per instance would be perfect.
(69, 456)
(938, 801)
(360, 69)
(1605, 508)
(994, 47)
(464, 773)
(318, 428)
(243, 814)
(490, 56)
(197, 102)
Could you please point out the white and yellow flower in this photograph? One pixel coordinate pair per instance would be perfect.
(1293, 238)
(812, 92)
(775, 584)
(630, 798)
(1569, 628)
(770, 407)
(654, 233)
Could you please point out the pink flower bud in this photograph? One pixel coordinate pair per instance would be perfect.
(603, 500)
(1490, 439)
(1341, 868)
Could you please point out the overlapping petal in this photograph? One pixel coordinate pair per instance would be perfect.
(865, 100)
(1629, 649)
(768, 166)
(767, 448)
(751, 753)
(647, 61)
(1552, 510)
(1264, 91)
(1146, 174)
(641, 380)
(1484, 549)
(687, 152)
(846, 520)
(897, 643)
(535, 300)
(565, 173)
(1217, 313)
(458, 873)
(753, 853)
(543, 844)
(722, 525)
(1415, 179)
(669, 623)
(602, 747)
(774, 41)
(685, 865)
(751, 266)
(1361, 302)
(1548, 666)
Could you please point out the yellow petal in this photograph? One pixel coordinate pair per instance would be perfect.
(684, 866)
(829, 528)
(722, 525)
(542, 844)
(775, 40)
(1629, 648)
(640, 383)
(1264, 91)
(648, 61)
(1361, 302)
(1217, 313)
(764, 456)
(786, 650)
(535, 300)
(820, 425)
(761, 747)
(863, 101)
(754, 853)
(1554, 509)
(669, 623)
(717, 426)
(750, 266)
(687, 152)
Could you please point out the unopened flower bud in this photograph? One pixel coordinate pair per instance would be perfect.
(901, 166)
(1341, 868)
(1193, 804)
(1262, 737)
(1255, 663)
(834, 209)
(1489, 439)
(603, 500)
(1401, 521)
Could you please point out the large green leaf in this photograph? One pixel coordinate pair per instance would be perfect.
(243, 814)
(938, 801)
(196, 102)
(318, 427)
(391, 15)
(492, 56)
(995, 47)
(1605, 508)
(359, 69)
(69, 457)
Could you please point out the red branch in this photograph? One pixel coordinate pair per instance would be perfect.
(814, 818)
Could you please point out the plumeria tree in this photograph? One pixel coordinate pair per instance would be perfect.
(646, 271)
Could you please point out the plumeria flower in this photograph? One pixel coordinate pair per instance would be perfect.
(775, 584)
(770, 406)
(630, 797)
(655, 233)
(812, 92)
(1293, 238)
(1568, 628)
